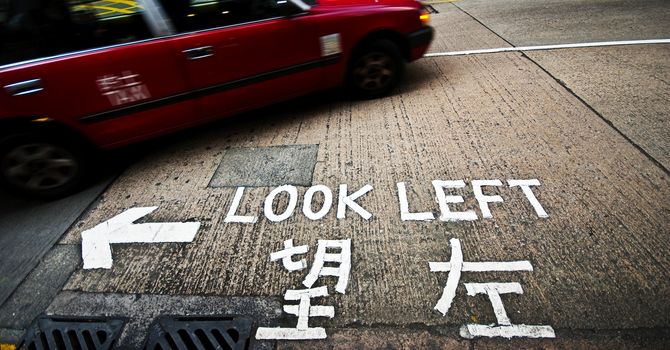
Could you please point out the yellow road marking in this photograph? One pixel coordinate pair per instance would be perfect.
(7, 347)
(124, 2)
(107, 8)
(110, 7)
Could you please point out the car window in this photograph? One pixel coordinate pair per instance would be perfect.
(192, 15)
(38, 28)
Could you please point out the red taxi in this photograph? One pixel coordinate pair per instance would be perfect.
(79, 75)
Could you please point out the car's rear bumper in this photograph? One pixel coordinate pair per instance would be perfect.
(419, 42)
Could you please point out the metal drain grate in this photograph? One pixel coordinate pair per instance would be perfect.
(199, 332)
(61, 333)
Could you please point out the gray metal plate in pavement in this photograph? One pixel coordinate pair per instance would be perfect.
(266, 166)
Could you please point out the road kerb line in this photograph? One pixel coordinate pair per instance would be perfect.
(549, 47)
(437, 2)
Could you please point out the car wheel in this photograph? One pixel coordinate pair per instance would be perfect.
(39, 166)
(375, 69)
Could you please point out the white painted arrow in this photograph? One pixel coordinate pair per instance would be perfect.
(95, 243)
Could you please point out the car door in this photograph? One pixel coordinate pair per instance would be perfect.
(242, 54)
(100, 69)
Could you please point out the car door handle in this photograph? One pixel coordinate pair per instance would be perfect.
(197, 53)
(25, 87)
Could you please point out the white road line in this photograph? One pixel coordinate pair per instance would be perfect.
(549, 47)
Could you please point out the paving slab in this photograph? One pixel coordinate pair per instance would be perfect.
(265, 166)
(628, 86)
(531, 22)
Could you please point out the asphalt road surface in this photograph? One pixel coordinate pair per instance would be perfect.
(535, 182)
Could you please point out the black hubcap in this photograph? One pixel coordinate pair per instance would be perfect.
(374, 71)
(39, 167)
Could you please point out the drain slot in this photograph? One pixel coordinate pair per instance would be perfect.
(199, 332)
(67, 333)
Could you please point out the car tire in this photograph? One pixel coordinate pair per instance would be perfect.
(41, 166)
(375, 69)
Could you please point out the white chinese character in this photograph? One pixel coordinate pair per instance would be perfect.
(288, 252)
(343, 258)
(123, 89)
(505, 328)
(139, 92)
(128, 79)
(303, 310)
(108, 83)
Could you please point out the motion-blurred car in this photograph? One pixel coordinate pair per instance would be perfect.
(84, 75)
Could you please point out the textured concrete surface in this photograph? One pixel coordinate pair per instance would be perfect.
(266, 166)
(532, 22)
(30, 228)
(11, 336)
(140, 310)
(598, 259)
(381, 339)
(629, 86)
(385, 338)
(33, 296)
(457, 31)
(601, 273)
